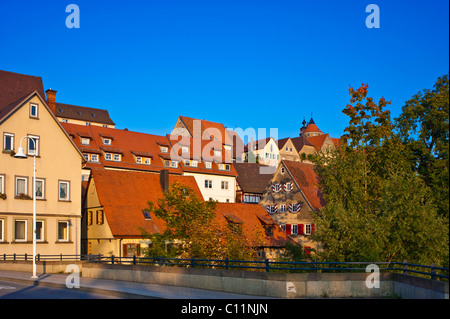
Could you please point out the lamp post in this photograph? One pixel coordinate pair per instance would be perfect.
(21, 154)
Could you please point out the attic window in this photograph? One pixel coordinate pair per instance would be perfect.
(61, 110)
(79, 113)
(93, 115)
(146, 215)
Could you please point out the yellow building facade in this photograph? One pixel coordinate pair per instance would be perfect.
(58, 182)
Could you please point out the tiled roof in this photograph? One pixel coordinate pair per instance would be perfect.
(312, 128)
(318, 140)
(15, 87)
(250, 179)
(124, 196)
(82, 113)
(252, 217)
(124, 142)
(307, 180)
(300, 141)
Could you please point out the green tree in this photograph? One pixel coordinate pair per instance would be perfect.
(191, 223)
(377, 207)
(424, 127)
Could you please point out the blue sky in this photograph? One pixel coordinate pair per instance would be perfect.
(247, 63)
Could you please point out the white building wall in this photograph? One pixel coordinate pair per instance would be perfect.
(216, 192)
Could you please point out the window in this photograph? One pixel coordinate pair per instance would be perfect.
(283, 208)
(86, 157)
(282, 170)
(208, 183)
(174, 164)
(20, 230)
(147, 161)
(63, 231)
(194, 163)
(224, 185)
(8, 142)
(21, 186)
(88, 123)
(208, 164)
(139, 160)
(187, 163)
(308, 229)
(33, 110)
(289, 186)
(107, 141)
(33, 145)
(2, 184)
(167, 163)
(294, 229)
(117, 157)
(64, 189)
(100, 215)
(94, 158)
(85, 141)
(108, 156)
(39, 230)
(164, 149)
(2, 230)
(40, 188)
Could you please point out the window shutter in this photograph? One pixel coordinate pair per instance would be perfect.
(288, 229)
(300, 229)
(313, 227)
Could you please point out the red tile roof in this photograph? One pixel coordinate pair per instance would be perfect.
(124, 196)
(318, 140)
(307, 180)
(252, 217)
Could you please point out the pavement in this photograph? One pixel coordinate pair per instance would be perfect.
(121, 289)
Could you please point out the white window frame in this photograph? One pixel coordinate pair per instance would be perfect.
(147, 161)
(16, 188)
(35, 145)
(174, 164)
(138, 160)
(68, 191)
(2, 183)
(283, 208)
(208, 165)
(43, 188)
(294, 229)
(42, 231)
(208, 183)
(224, 185)
(85, 141)
(2, 230)
(164, 149)
(36, 107)
(117, 157)
(107, 141)
(66, 239)
(308, 228)
(108, 156)
(11, 136)
(94, 158)
(25, 231)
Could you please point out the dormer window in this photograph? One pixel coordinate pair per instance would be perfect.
(224, 167)
(164, 149)
(208, 164)
(107, 141)
(85, 141)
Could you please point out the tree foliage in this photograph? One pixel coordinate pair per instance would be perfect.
(193, 231)
(377, 207)
(424, 128)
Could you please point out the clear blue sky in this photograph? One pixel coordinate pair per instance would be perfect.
(246, 63)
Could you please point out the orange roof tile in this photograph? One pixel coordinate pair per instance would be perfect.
(124, 196)
(318, 140)
(307, 180)
(252, 217)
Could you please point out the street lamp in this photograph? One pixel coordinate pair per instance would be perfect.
(21, 154)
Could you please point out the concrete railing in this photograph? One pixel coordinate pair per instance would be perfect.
(270, 284)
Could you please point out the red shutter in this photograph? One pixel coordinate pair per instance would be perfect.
(288, 229)
(300, 229)
(313, 227)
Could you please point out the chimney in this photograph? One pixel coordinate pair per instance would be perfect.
(51, 100)
(164, 180)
